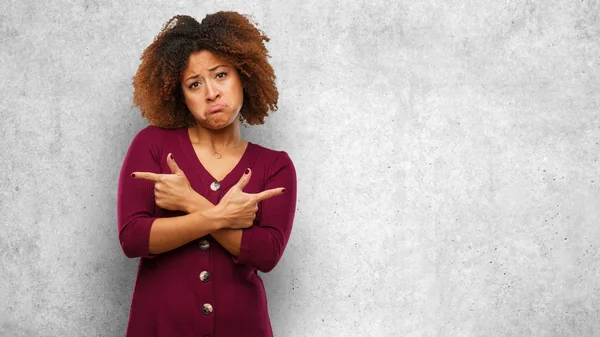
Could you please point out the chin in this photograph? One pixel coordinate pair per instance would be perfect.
(218, 124)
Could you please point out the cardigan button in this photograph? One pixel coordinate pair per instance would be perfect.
(204, 276)
(215, 186)
(203, 244)
(207, 309)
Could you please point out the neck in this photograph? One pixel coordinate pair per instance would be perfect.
(219, 139)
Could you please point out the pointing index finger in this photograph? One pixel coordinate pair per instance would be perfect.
(146, 175)
(264, 195)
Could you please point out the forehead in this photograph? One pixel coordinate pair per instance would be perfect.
(201, 61)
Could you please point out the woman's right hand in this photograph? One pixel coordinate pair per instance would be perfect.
(238, 209)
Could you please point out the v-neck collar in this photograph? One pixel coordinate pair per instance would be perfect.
(231, 178)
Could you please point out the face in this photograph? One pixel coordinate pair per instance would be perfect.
(212, 90)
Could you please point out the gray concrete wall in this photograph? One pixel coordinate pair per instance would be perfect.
(447, 158)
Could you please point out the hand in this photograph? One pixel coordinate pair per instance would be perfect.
(238, 208)
(173, 191)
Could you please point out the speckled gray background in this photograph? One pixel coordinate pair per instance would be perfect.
(447, 158)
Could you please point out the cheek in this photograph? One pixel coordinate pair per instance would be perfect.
(241, 95)
(193, 102)
(238, 92)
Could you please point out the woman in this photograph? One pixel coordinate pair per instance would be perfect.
(203, 208)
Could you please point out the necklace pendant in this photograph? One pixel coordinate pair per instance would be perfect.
(218, 155)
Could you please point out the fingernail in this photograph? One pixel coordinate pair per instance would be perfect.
(171, 155)
(283, 190)
(247, 170)
(133, 175)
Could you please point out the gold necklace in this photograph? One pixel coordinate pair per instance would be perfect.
(219, 155)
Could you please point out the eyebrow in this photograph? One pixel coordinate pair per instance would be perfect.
(211, 69)
(215, 67)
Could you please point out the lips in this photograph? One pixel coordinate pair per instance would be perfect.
(215, 108)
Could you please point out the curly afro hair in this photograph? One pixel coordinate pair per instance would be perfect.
(228, 35)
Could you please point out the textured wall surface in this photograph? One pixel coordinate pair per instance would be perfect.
(447, 157)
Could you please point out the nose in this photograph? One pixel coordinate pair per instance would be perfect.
(212, 92)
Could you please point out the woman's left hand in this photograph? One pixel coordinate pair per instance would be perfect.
(173, 191)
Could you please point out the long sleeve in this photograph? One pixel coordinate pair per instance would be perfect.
(135, 197)
(263, 244)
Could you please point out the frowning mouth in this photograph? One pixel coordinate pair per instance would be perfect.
(215, 108)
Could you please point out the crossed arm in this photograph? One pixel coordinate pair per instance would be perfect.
(143, 234)
(229, 238)
(223, 221)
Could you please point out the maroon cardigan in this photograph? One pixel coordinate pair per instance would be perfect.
(199, 289)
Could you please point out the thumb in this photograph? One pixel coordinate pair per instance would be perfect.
(244, 180)
(173, 165)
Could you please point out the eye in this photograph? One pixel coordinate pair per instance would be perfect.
(221, 74)
(194, 85)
